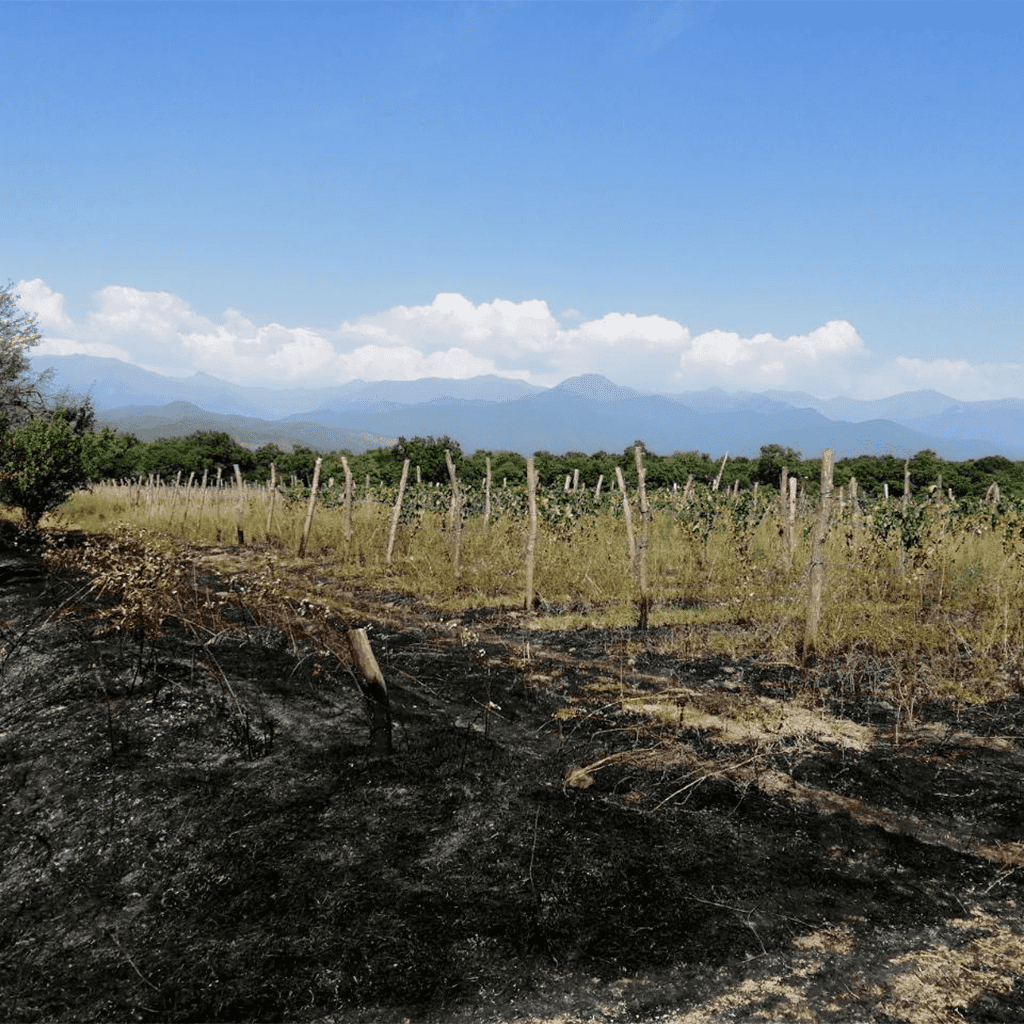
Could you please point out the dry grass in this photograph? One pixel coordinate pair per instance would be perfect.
(946, 617)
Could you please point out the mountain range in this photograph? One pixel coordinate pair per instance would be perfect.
(587, 413)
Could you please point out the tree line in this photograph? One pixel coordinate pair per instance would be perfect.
(112, 455)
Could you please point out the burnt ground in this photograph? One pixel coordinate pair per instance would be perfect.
(574, 827)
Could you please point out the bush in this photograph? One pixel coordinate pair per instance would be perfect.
(40, 467)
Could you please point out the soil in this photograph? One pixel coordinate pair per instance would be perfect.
(573, 827)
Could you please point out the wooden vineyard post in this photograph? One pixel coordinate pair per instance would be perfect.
(309, 511)
(721, 470)
(348, 500)
(817, 566)
(531, 530)
(576, 479)
(396, 514)
(238, 506)
(419, 476)
(202, 498)
(487, 492)
(901, 567)
(791, 518)
(787, 555)
(854, 513)
(597, 489)
(273, 492)
(374, 691)
(645, 534)
(688, 489)
(455, 514)
(188, 498)
(627, 512)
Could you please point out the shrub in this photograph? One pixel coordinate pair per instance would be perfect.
(40, 467)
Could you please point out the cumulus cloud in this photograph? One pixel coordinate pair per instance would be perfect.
(954, 377)
(47, 305)
(766, 361)
(453, 337)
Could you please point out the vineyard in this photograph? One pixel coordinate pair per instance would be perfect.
(630, 782)
(728, 571)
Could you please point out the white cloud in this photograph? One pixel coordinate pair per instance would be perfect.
(766, 361)
(46, 304)
(954, 377)
(523, 327)
(124, 310)
(455, 338)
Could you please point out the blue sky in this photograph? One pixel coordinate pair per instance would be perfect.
(819, 196)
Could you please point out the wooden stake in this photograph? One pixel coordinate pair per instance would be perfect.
(718, 479)
(817, 566)
(487, 492)
(791, 523)
(645, 521)
(787, 555)
(202, 497)
(627, 512)
(238, 506)
(901, 565)
(348, 500)
(309, 510)
(374, 691)
(455, 514)
(397, 512)
(273, 494)
(531, 531)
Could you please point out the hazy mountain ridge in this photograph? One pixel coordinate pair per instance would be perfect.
(179, 419)
(584, 413)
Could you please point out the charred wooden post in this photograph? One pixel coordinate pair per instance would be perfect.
(531, 531)
(645, 533)
(374, 691)
(817, 566)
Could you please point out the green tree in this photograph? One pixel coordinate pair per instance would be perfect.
(22, 397)
(768, 468)
(428, 454)
(109, 454)
(40, 466)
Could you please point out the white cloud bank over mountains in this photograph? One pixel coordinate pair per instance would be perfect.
(453, 337)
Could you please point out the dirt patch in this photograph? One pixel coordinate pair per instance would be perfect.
(574, 827)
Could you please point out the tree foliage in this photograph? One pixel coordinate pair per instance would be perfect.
(428, 454)
(41, 466)
(22, 398)
(772, 460)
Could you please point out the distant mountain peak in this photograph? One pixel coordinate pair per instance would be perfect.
(595, 387)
